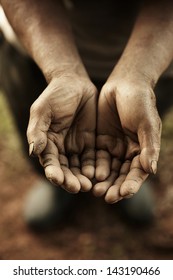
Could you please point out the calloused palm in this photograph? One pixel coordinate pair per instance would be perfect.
(61, 132)
(128, 140)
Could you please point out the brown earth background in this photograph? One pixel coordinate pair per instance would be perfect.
(93, 230)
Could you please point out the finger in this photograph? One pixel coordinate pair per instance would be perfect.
(113, 194)
(87, 125)
(49, 159)
(149, 139)
(85, 183)
(105, 128)
(88, 163)
(103, 165)
(101, 188)
(134, 179)
(74, 162)
(38, 126)
(71, 182)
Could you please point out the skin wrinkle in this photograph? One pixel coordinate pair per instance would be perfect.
(87, 151)
(112, 92)
(81, 106)
(39, 145)
(126, 97)
(74, 157)
(47, 162)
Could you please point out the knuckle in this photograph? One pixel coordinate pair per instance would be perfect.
(36, 108)
(129, 189)
(47, 161)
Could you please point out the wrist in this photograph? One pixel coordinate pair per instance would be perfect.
(134, 72)
(68, 82)
(64, 70)
(129, 84)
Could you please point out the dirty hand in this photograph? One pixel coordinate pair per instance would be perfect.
(61, 132)
(128, 138)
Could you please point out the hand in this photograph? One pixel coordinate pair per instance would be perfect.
(61, 132)
(128, 138)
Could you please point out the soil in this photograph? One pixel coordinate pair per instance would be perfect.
(92, 230)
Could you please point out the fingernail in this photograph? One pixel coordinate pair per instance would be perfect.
(52, 181)
(154, 166)
(117, 200)
(31, 148)
(129, 195)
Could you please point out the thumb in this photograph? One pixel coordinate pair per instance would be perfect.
(39, 122)
(149, 135)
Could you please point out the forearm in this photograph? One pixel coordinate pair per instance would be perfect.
(44, 30)
(150, 48)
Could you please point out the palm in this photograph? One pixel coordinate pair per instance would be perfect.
(118, 168)
(69, 155)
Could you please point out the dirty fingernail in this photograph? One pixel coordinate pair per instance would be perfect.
(154, 166)
(31, 148)
(129, 195)
(119, 199)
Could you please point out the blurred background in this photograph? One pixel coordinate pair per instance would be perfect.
(92, 229)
